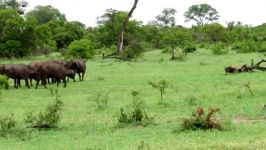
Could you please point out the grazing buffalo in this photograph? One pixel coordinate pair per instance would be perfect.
(17, 72)
(80, 68)
(56, 71)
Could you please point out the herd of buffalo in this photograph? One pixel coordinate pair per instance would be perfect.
(56, 70)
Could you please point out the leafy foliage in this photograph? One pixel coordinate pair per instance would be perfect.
(47, 119)
(161, 86)
(202, 14)
(81, 49)
(44, 14)
(219, 49)
(101, 99)
(134, 49)
(167, 18)
(9, 127)
(200, 121)
(137, 116)
(4, 81)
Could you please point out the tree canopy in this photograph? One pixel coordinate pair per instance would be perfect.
(201, 14)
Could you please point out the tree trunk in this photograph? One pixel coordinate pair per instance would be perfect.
(122, 29)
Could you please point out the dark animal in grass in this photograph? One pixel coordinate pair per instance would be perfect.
(54, 70)
(18, 72)
(232, 69)
(80, 68)
(35, 65)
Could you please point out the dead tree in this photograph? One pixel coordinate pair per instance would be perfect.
(122, 29)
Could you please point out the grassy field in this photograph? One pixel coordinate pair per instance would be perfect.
(200, 77)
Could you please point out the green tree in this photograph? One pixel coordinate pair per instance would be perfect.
(176, 37)
(167, 18)
(17, 36)
(44, 14)
(18, 6)
(215, 32)
(202, 14)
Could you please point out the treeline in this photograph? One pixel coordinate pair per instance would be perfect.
(45, 29)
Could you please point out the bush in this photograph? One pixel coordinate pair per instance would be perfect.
(249, 46)
(9, 127)
(101, 99)
(161, 86)
(219, 49)
(137, 116)
(47, 119)
(189, 48)
(81, 49)
(200, 121)
(4, 81)
(134, 49)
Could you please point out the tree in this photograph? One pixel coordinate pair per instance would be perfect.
(176, 37)
(14, 4)
(44, 14)
(214, 32)
(108, 28)
(122, 28)
(202, 14)
(167, 18)
(18, 36)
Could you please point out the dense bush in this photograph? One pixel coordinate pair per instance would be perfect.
(81, 49)
(219, 49)
(9, 127)
(137, 116)
(200, 121)
(134, 49)
(189, 48)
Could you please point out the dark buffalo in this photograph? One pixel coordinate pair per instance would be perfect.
(80, 68)
(56, 71)
(17, 72)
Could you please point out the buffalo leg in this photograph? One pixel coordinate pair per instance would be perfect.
(27, 83)
(79, 77)
(64, 80)
(83, 76)
(15, 83)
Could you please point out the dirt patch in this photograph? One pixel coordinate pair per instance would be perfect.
(246, 120)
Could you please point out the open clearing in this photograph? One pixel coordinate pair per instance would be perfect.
(200, 77)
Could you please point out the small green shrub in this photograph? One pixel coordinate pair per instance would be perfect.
(4, 81)
(189, 48)
(101, 99)
(7, 125)
(161, 86)
(219, 49)
(192, 100)
(200, 121)
(47, 119)
(137, 116)
(134, 49)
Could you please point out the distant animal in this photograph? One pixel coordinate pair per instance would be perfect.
(231, 69)
(54, 70)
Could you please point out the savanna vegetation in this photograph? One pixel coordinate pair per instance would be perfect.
(166, 89)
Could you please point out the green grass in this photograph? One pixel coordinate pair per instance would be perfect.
(201, 76)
